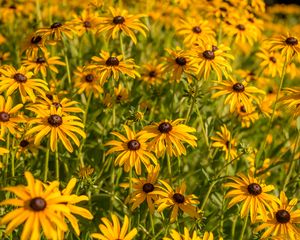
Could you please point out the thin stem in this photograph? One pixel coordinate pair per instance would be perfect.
(207, 195)
(152, 223)
(38, 13)
(292, 163)
(169, 167)
(130, 180)
(6, 157)
(192, 105)
(122, 45)
(68, 67)
(56, 163)
(47, 163)
(13, 160)
(244, 228)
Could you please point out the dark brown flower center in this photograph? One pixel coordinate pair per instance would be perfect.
(254, 189)
(222, 9)
(24, 143)
(89, 78)
(148, 187)
(37, 204)
(152, 74)
(241, 27)
(19, 77)
(251, 20)
(87, 24)
(49, 96)
(165, 127)
(207, 54)
(179, 198)
(243, 109)
(273, 59)
(118, 20)
(133, 145)
(56, 25)
(55, 120)
(291, 41)
(40, 60)
(283, 216)
(238, 87)
(197, 29)
(56, 105)
(180, 61)
(4, 117)
(36, 40)
(112, 61)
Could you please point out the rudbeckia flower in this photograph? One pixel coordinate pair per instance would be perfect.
(252, 194)
(186, 235)
(271, 63)
(177, 200)
(56, 31)
(121, 21)
(7, 120)
(282, 220)
(13, 79)
(152, 73)
(113, 230)
(168, 136)
(291, 100)
(59, 127)
(133, 149)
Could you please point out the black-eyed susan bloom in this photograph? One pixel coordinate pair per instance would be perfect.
(152, 73)
(56, 31)
(210, 58)
(112, 66)
(3, 151)
(143, 189)
(178, 63)
(291, 100)
(132, 149)
(7, 119)
(237, 93)
(37, 208)
(177, 200)
(271, 62)
(25, 147)
(282, 220)
(288, 44)
(186, 235)
(113, 230)
(167, 136)
(246, 118)
(253, 194)
(59, 127)
(226, 142)
(12, 79)
(121, 21)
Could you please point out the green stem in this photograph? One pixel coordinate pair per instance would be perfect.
(13, 159)
(292, 163)
(122, 46)
(130, 180)
(152, 223)
(6, 158)
(192, 105)
(38, 13)
(244, 228)
(169, 167)
(46, 163)
(56, 163)
(207, 195)
(68, 67)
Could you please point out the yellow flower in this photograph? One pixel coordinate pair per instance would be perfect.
(7, 120)
(211, 58)
(12, 79)
(287, 44)
(186, 236)
(38, 206)
(237, 93)
(59, 127)
(133, 149)
(111, 66)
(253, 195)
(281, 220)
(121, 94)
(42, 63)
(34, 43)
(121, 21)
(194, 30)
(2, 152)
(271, 63)
(178, 200)
(178, 63)
(226, 142)
(56, 31)
(245, 117)
(88, 80)
(143, 189)
(291, 100)
(25, 147)
(113, 231)
(152, 73)
(168, 136)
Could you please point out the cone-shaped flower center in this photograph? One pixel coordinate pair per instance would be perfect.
(89, 78)
(152, 74)
(165, 127)
(55, 120)
(238, 87)
(56, 105)
(210, 55)
(118, 20)
(87, 24)
(179, 198)
(180, 61)
(112, 61)
(36, 40)
(148, 187)
(133, 145)
(19, 77)
(37, 204)
(40, 60)
(254, 189)
(197, 29)
(56, 25)
(241, 27)
(273, 59)
(4, 117)
(24, 143)
(283, 216)
(291, 41)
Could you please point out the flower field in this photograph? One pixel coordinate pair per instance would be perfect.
(149, 120)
